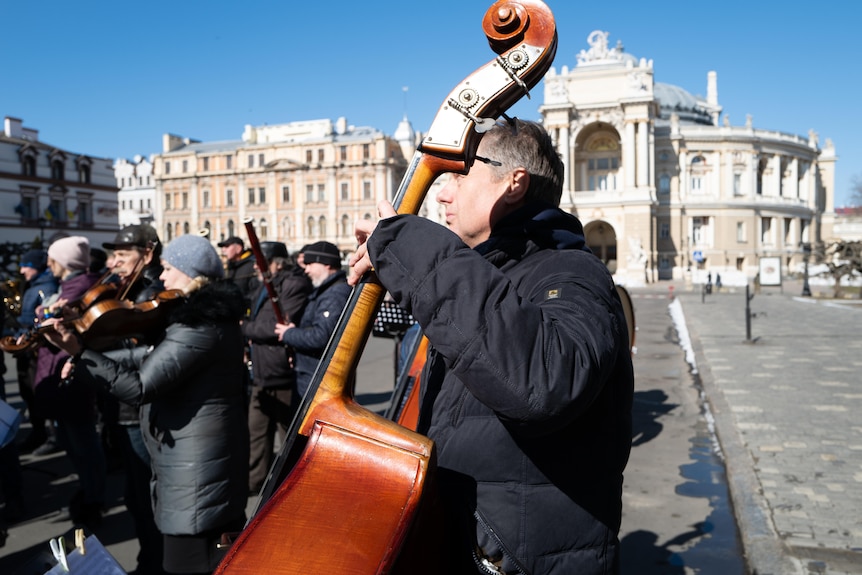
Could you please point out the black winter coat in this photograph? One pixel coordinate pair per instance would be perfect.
(527, 391)
(269, 357)
(191, 387)
(319, 319)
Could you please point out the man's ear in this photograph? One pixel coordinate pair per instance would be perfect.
(518, 186)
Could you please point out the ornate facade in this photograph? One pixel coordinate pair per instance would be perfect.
(300, 182)
(45, 190)
(667, 190)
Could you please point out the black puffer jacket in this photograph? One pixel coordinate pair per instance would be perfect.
(527, 391)
(191, 386)
(269, 358)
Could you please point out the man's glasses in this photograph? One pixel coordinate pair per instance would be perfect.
(488, 161)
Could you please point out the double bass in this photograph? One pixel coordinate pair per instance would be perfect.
(352, 491)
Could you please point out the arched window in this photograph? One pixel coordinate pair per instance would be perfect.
(287, 231)
(699, 173)
(208, 228)
(309, 228)
(230, 227)
(264, 229)
(664, 184)
(602, 156)
(345, 226)
(186, 228)
(169, 231)
(321, 225)
(57, 169)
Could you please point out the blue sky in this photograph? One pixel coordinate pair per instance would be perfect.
(109, 78)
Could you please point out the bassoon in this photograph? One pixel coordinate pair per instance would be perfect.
(263, 266)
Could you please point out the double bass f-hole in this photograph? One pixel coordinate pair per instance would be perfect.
(348, 478)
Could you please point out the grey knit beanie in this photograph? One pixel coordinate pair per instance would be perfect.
(195, 256)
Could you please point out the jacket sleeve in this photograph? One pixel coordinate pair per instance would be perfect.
(540, 356)
(134, 376)
(292, 298)
(313, 334)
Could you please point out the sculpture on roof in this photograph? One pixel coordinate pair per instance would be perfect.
(598, 41)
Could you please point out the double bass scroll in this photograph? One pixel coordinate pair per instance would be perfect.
(350, 490)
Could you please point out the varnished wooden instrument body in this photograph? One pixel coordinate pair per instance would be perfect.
(352, 492)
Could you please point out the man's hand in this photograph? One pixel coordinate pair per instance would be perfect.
(360, 262)
(280, 328)
(63, 337)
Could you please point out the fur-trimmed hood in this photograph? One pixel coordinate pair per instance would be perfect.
(217, 302)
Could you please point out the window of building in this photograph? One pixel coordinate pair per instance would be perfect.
(342, 153)
(251, 160)
(149, 203)
(261, 195)
(185, 200)
(309, 193)
(260, 161)
(230, 228)
(28, 165)
(263, 229)
(251, 196)
(186, 228)
(28, 206)
(321, 154)
(740, 264)
(56, 211)
(205, 198)
(285, 194)
(57, 169)
(737, 184)
(309, 227)
(185, 166)
(366, 151)
(699, 173)
(167, 168)
(602, 158)
(345, 191)
(701, 231)
(766, 232)
(84, 173)
(664, 262)
(664, 184)
(761, 171)
(208, 227)
(308, 156)
(228, 197)
(167, 201)
(321, 227)
(346, 228)
(321, 192)
(740, 232)
(169, 231)
(228, 162)
(206, 164)
(366, 190)
(788, 232)
(664, 230)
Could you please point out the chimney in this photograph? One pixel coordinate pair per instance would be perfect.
(712, 88)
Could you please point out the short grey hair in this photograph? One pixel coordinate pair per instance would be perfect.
(522, 144)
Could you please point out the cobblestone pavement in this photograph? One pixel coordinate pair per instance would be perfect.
(787, 404)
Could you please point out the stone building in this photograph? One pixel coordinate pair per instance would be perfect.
(45, 190)
(137, 191)
(300, 182)
(666, 188)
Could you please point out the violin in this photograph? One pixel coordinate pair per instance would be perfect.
(351, 491)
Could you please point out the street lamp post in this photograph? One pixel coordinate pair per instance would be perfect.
(806, 254)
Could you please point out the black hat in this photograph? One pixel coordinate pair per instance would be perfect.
(231, 240)
(141, 236)
(273, 250)
(323, 252)
(36, 259)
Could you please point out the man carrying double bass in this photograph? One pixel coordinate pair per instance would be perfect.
(136, 267)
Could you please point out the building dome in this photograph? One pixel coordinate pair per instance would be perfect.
(675, 100)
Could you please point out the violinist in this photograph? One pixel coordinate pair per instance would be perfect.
(135, 260)
(40, 285)
(71, 404)
(135, 263)
(527, 391)
(190, 386)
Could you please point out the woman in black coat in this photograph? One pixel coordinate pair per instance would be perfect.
(191, 390)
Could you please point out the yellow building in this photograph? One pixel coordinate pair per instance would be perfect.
(301, 182)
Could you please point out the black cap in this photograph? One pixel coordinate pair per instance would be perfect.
(36, 259)
(230, 241)
(323, 252)
(141, 236)
(273, 250)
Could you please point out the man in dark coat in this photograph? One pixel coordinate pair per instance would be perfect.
(272, 402)
(240, 267)
(322, 262)
(528, 386)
